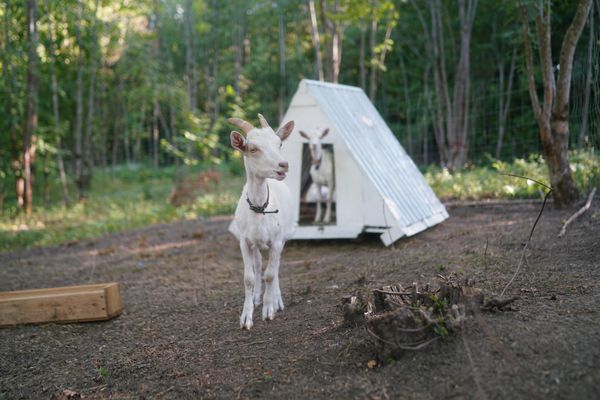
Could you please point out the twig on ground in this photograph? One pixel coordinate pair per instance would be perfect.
(164, 392)
(474, 369)
(573, 217)
(257, 342)
(411, 347)
(530, 233)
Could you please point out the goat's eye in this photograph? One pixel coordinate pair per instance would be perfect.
(253, 150)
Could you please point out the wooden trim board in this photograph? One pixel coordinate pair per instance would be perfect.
(64, 304)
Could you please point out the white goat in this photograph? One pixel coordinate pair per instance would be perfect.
(264, 213)
(321, 171)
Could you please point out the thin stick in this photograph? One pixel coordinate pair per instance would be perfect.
(528, 240)
(412, 347)
(474, 370)
(583, 209)
(529, 179)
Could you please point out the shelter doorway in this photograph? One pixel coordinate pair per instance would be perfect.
(309, 192)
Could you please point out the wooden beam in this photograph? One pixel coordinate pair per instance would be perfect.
(64, 304)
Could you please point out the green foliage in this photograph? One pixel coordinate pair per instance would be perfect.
(103, 373)
(487, 182)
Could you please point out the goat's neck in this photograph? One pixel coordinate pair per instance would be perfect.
(318, 156)
(256, 188)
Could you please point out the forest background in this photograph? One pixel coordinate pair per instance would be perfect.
(110, 108)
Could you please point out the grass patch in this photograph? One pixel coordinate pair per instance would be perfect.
(127, 198)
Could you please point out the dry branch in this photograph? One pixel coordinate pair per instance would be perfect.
(410, 318)
(523, 256)
(573, 217)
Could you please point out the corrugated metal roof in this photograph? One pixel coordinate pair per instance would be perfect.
(377, 152)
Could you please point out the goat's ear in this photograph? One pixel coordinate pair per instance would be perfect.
(285, 130)
(304, 135)
(325, 132)
(237, 141)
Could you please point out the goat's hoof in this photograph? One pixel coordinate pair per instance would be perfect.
(246, 325)
(268, 313)
(246, 321)
(279, 304)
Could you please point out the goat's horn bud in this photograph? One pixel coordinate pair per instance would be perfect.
(263, 121)
(244, 125)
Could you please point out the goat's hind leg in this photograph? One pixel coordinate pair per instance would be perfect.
(249, 282)
(327, 218)
(319, 212)
(257, 277)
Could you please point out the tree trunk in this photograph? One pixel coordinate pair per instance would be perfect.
(553, 114)
(407, 106)
(87, 161)
(126, 136)
(380, 62)
(155, 135)
(316, 38)
(116, 129)
(31, 111)
(504, 100)
(325, 28)
(238, 46)
(588, 85)
(190, 56)
(361, 59)
(213, 68)
(336, 45)
(459, 133)
(373, 74)
(11, 84)
(56, 114)
(115, 144)
(282, 77)
(79, 104)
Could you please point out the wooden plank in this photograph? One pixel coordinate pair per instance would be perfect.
(65, 304)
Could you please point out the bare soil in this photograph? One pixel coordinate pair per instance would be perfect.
(179, 336)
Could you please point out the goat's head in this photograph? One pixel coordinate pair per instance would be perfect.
(314, 143)
(262, 147)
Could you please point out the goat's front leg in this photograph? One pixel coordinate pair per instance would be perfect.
(272, 301)
(248, 254)
(319, 200)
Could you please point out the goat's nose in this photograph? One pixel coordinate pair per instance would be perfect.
(284, 165)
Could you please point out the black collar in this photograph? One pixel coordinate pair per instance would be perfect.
(261, 209)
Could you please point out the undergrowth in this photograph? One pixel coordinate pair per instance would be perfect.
(488, 182)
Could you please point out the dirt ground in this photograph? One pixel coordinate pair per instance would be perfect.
(179, 335)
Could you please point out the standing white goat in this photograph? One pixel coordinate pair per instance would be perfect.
(321, 171)
(264, 213)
